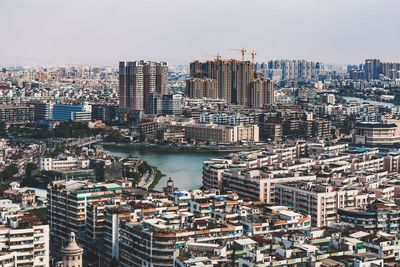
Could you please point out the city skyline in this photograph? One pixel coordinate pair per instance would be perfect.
(105, 32)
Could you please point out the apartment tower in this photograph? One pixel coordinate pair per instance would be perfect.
(233, 78)
(137, 80)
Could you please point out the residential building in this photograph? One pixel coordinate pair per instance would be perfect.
(67, 112)
(67, 204)
(42, 111)
(63, 163)
(380, 215)
(202, 87)
(165, 104)
(258, 185)
(26, 241)
(377, 133)
(16, 113)
(262, 93)
(220, 133)
(320, 201)
(139, 79)
(233, 78)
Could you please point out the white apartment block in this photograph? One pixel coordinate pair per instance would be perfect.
(50, 164)
(258, 185)
(25, 247)
(319, 200)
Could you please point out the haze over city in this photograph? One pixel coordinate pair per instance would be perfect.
(177, 31)
(208, 133)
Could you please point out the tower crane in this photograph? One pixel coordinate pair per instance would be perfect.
(253, 55)
(217, 56)
(242, 51)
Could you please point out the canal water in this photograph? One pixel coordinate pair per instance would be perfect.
(185, 168)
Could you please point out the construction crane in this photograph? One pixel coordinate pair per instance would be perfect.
(253, 55)
(217, 56)
(242, 51)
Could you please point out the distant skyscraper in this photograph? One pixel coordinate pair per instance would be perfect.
(391, 70)
(131, 85)
(372, 69)
(162, 78)
(290, 70)
(150, 82)
(137, 80)
(270, 92)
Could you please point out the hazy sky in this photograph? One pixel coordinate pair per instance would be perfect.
(106, 31)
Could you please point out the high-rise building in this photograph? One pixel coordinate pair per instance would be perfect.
(262, 93)
(67, 204)
(233, 78)
(290, 70)
(131, 85)
(372, 69)
(165, 104)
(270, 92)
(149, 86)
(162, 77)
(202, 87)
(137, 80)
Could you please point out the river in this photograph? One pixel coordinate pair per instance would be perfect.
(185, 168)
(372, 102)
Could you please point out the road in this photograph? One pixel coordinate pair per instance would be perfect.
(147, 179)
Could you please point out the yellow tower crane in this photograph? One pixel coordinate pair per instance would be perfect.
(217, 56)
(242, 51)
(253, 55)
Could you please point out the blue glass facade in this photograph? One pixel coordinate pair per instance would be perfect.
(64, 112)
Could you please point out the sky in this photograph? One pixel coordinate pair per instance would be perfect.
(104, 32)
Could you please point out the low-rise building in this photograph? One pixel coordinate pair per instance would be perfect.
(377, 133)
(378, 216)
(220, 133)
(321, 201)
(63, 163)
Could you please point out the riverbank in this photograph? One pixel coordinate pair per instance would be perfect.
(175, 148)
(156, 179)
(372, 102)
(185, 168)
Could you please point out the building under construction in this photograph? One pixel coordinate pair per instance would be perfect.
(234, 82)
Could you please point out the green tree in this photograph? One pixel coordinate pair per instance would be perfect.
(29, 169)
(8, 172)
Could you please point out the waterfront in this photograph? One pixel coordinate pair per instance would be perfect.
(372, 102)
(185, 168)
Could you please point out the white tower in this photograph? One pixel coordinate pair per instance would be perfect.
(72, 253)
